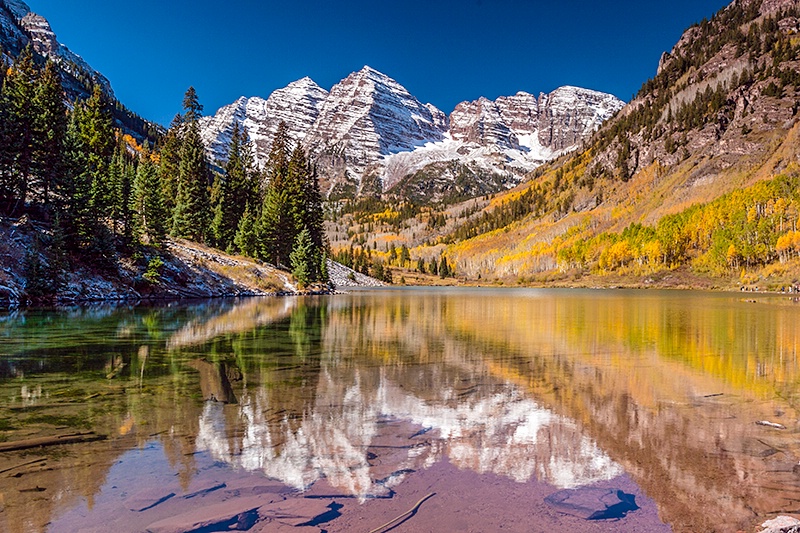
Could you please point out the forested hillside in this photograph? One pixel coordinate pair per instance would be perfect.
(100, 198)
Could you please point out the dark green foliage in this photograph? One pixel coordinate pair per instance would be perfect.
(45, 264)
(97, 137)
(51, 126)
(380, 271)
(19, 137)
(359, 259)
(232, 191)
(169, 169)
(153, 272)
(292, 205)
(245, 238)
(192, 208)
(531, 202)
(444, 268)
(38, 281)
(274, 227)
(121, 176)
(193, 110)
(303, 259)
(148, 204)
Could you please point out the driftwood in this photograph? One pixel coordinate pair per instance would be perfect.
(71, 438)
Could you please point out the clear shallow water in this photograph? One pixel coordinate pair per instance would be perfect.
(362, 396)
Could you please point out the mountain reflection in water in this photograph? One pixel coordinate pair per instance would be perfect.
(564, 387)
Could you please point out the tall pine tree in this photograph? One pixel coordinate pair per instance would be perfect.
(231, 192)
(170, 159)
(148, 204)
(97, 137)
(276, 227)
(51, 126)
(20, 135)
(192, 214)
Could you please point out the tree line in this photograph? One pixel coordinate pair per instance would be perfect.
(103, 195)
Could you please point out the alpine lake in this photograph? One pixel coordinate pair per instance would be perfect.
(405, 410)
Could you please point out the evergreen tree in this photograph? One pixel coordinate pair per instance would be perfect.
(313, 216)
(192, 208)
(51, 126)
(444, 268)
(323, 267)
(192, 214)
(276, 228)
(20, 131)
(191, 106)
(273, 227)
(231, 193)
(245, 238)
(97, 137)
(74, 187)
(121, 177)
(148, 204)
(303, 259)
(170, 157)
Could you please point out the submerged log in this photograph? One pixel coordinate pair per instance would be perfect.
(71, 438)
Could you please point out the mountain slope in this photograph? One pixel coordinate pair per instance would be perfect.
(720, 117)
(20, 27)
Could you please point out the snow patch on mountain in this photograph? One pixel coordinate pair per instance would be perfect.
(369, 115)
(511, 135)
(24, 26)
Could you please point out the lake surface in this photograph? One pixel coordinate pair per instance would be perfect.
(521, 410)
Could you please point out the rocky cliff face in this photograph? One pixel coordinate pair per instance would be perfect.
(557, 121)
(370, 115)
(369, 133)
(569, 115)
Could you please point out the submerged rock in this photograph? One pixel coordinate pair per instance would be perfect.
(593, 503)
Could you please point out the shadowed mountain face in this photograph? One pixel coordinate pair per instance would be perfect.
(360, 394)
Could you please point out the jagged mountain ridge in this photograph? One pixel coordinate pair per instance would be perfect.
(368, 133)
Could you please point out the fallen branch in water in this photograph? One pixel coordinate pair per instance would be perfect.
(72, 438)
(409, 512)
(9, 469)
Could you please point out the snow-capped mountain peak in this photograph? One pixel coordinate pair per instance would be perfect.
(371, 129)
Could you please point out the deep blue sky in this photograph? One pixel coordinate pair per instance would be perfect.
(442, 51)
